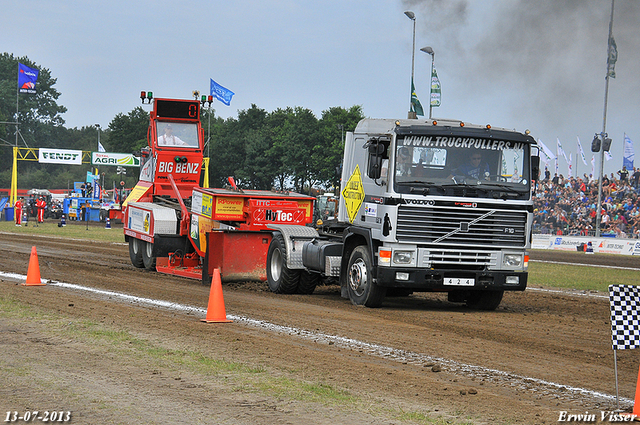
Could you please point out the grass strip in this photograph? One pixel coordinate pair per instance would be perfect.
(129, 348)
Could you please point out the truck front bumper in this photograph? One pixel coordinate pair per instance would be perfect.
(448, 280)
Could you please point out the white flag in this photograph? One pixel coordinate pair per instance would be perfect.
(561, 151)
(584, 160)
(628, 156)
(548, 152)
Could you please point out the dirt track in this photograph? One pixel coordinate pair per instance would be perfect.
(538, 354)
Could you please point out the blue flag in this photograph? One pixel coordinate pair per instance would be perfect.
(220, 93)
(27, 78)
(628, 155)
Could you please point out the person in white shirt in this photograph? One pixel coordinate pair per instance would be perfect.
(168, 139)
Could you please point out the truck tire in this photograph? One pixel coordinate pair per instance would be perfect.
(280, 278)
(148, 259)
(484, 300)
(135, 252)
(362, 290)
(308, 282)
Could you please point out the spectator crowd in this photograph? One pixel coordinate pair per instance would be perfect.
(568, 206)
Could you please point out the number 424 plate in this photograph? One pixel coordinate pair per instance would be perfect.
(454, 281)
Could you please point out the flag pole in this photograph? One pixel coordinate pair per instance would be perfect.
(17, 102)
(604, 125)
(577, 153)
(13, 191)
(615, 367)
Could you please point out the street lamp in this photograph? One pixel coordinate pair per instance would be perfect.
(412, 114)
(98, 128)
(428, 50)
(603, 135)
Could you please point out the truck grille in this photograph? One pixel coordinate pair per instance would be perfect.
(474, 227)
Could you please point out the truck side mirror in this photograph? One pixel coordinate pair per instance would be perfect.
(535, 168)
(376, 152)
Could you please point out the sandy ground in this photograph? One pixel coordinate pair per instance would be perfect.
(291, 359)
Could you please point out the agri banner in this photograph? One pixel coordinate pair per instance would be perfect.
(59, 156)
(109, 158)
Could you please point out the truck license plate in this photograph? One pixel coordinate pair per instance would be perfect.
(454, 281)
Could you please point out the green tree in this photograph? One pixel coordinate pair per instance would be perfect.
(227, 151)
(127, 133)
(39, 115)
(277, 129)
(327, 156)
(257, 171)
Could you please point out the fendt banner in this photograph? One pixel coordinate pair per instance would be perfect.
(60, 156)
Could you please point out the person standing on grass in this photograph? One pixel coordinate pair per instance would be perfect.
(40, 204)
(18, 212)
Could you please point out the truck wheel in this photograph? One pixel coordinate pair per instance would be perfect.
(362, 290)
(281, 279)
(484, 300)
(308, 282)
(148, 259)
(135, 252)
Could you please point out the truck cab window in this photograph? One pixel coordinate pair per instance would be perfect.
(177, 134)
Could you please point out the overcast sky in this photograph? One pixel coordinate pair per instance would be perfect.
(537, 65)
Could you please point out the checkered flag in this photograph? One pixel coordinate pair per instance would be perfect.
(625, 317)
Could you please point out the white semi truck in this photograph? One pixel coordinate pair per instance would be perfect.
(425, 205)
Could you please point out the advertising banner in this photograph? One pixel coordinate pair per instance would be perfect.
(59, 156)
(109, 158)
(604, 245)
(27, 78)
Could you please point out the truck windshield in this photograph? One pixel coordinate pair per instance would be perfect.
(443, 161)
(177, 134)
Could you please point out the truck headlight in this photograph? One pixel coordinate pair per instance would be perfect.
(512, 260)
(402, 257)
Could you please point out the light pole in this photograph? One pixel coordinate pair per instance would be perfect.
(412, 114)
(428, 50)
(98, 128)
(99, 150)
(341, 127)
(603, 135)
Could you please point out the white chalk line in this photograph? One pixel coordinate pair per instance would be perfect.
(584, 265)
(390, 353)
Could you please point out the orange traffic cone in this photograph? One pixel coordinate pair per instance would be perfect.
(33, 273)
(626, 416)
(216, 312)
(636, 403)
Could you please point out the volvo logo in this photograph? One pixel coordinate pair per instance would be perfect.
(420, 202)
